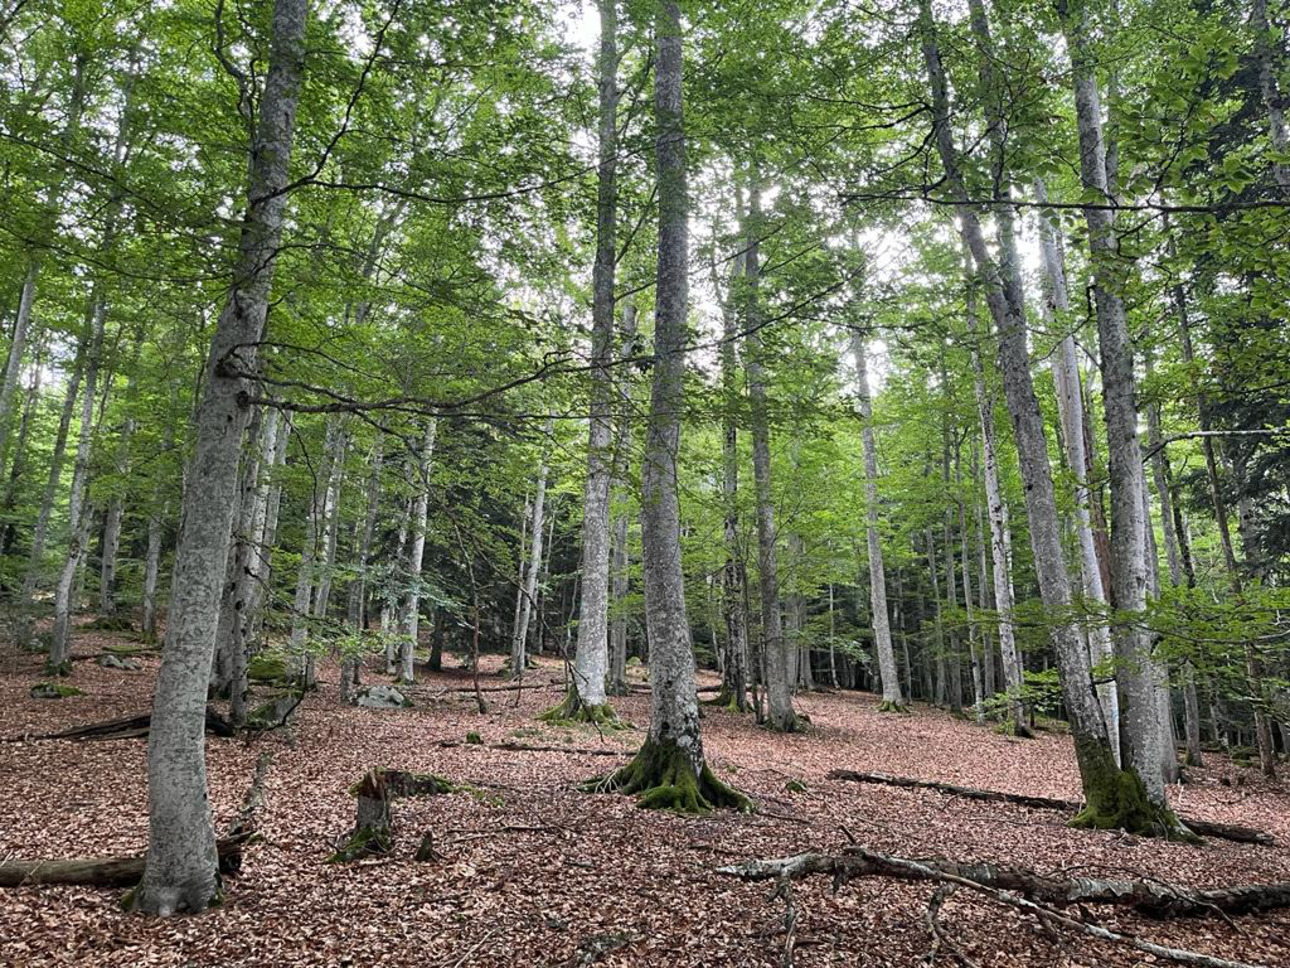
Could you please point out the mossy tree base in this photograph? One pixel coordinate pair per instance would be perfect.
(662, 778)
(728, 700)
(573, 711)
(1116, 799)
(887, 706)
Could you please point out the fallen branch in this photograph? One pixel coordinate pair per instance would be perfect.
(1155, 898)
(1205, 828)
(859, 861)
(538, 748)
(128, 727)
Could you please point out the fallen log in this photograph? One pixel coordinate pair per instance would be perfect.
(1205, 828)
(859, 861)
(1155, 898)
(128, 871)
(129, 727)
(99, 871)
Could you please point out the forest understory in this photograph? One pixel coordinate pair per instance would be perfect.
(521, 851)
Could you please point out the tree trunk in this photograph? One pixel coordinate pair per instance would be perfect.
(892, 698)
(591, 658)
(669, 770)
(416, 553)
(356, 610)
(21, 455)
(78, 514)
(182, 868)
(1266, 55)
(1142, 735)
(622, 524)
(1070, 410)
(519, 646)
(780, 714)
(1115, 798)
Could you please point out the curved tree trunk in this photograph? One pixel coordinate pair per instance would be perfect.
(181, 873)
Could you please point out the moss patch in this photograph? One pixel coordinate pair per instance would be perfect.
(266, 667)
(474, 739)
(887, 706)
(53, 690)
(662, 778)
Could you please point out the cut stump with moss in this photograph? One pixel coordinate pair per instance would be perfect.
(662, 777)
(373, 831)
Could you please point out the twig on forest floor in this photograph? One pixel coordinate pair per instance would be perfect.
(939, 935)
(784, 890)
(476, 946)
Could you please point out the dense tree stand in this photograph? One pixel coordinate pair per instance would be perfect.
(662, 776)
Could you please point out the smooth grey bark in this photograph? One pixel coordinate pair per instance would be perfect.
(78, 513)
(250, 558)
(779, 698)
(181, 872)
(1074, 422)
(965, 572)
(389, 608)
(734, 574)
(330, 522)
(230, 635)
(267, 533)
(1007, 308)
(1000, 529)
(416, 553)
(115, 512)
(938, 627)
(317, 520)
(891, 691)
(157, 514)
(519, 644)
(674, 707)
(1142, 735)
(591, 657)
(617, 685)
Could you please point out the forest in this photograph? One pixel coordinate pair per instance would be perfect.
(645, 482)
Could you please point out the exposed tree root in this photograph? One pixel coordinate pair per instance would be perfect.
(662, 777)
(886, 706)
(1205, 828)
(1039, 892)
(373, 831)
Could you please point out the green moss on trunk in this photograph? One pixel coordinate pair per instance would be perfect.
(1116, 799)
(662, 778)
(886, 706)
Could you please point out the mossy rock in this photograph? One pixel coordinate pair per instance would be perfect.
(474, 739)
(266, 667)
(662, 778)
(53, 690)
(795, 786)
(111, 623)
(122, 648)
(279, 708)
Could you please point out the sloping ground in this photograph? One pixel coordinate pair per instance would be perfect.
(536, 873)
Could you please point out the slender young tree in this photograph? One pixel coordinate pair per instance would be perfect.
(182, 872)
(893, 699)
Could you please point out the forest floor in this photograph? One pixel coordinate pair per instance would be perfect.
(536, 873)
